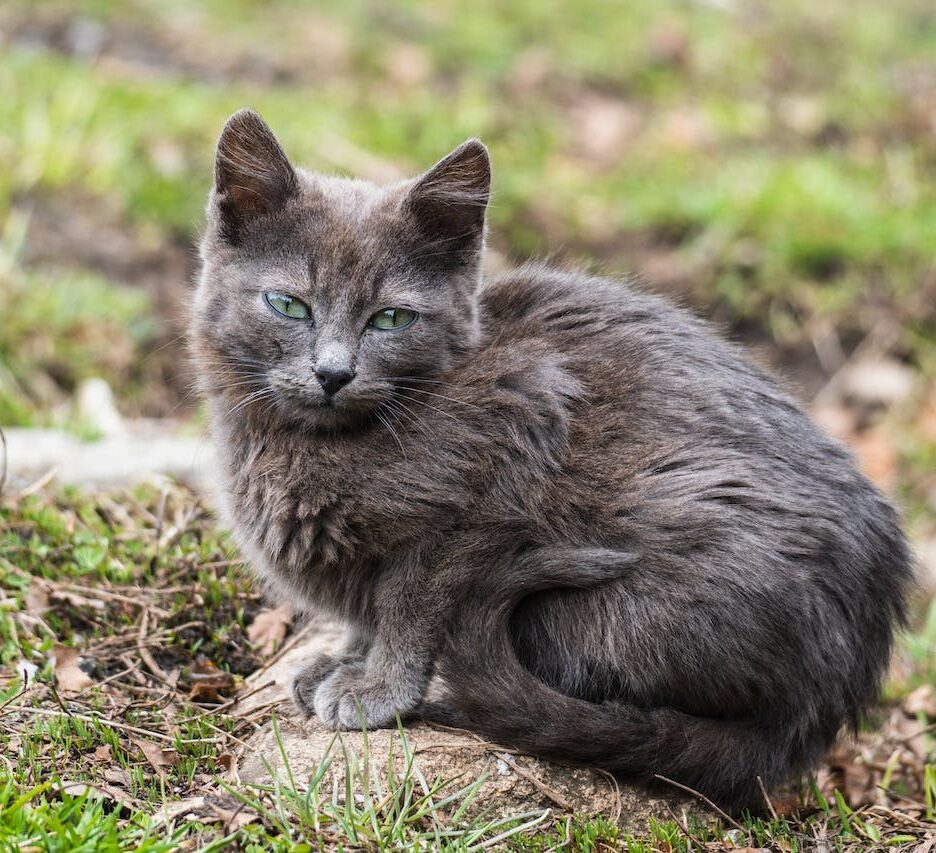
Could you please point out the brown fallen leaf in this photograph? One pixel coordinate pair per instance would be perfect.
(208, 681)
(852, 776)
(268, 629)
(227, 763)
(234, 819)
(96, 790)
(179, 808)
(158, 758)
(208, 811)
(921, 701)
(911, 733)
(70, 678)
(37, 597)
(103, 753)
(118, 776)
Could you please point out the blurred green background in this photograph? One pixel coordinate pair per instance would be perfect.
(770, 163)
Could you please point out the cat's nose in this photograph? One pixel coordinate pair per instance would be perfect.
(332, 379)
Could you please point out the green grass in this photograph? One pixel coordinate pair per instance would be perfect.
(39, 819)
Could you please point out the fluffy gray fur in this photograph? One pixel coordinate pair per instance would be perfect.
(616, 540)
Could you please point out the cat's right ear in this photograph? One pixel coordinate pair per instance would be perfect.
(253, 176)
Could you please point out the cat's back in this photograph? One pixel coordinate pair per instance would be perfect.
(594, 317)
(624, 342)
(659, 382)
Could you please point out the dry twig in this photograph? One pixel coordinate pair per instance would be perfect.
(699, 795)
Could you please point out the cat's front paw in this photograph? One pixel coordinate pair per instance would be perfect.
(350, 698)
(309, 678)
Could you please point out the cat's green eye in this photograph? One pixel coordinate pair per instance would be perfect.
(392, 318)
(287, 306)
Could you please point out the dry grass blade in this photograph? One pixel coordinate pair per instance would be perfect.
(766, 796)
(700, 796)
(541, 786)
(145, 654)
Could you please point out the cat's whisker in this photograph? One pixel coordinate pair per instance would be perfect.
(165, 346)
(442, 397)
(397, 403)
(254, 396)
(396, 406)
(422, 380)
(269, 408)
(434, 408)
(391, 430)
(259, 380)
(397, 419)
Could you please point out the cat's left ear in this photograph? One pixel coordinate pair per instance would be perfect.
(449, 202)
(253, 176)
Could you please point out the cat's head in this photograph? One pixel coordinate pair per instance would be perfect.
(320, 296)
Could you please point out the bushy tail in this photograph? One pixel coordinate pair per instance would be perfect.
(491, 692)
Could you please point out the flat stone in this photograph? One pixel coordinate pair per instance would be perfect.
(513, 783)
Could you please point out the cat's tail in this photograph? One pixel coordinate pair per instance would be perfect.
(491, 692)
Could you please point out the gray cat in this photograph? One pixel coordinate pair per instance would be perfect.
(615, 540)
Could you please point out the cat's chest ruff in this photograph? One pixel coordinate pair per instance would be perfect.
(298, 506)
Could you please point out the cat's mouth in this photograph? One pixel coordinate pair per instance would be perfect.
(332, 411)
(306, 403)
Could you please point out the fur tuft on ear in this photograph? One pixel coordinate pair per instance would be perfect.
(449, 202)
(252, 173)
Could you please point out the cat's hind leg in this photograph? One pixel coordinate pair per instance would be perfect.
(562, 570)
